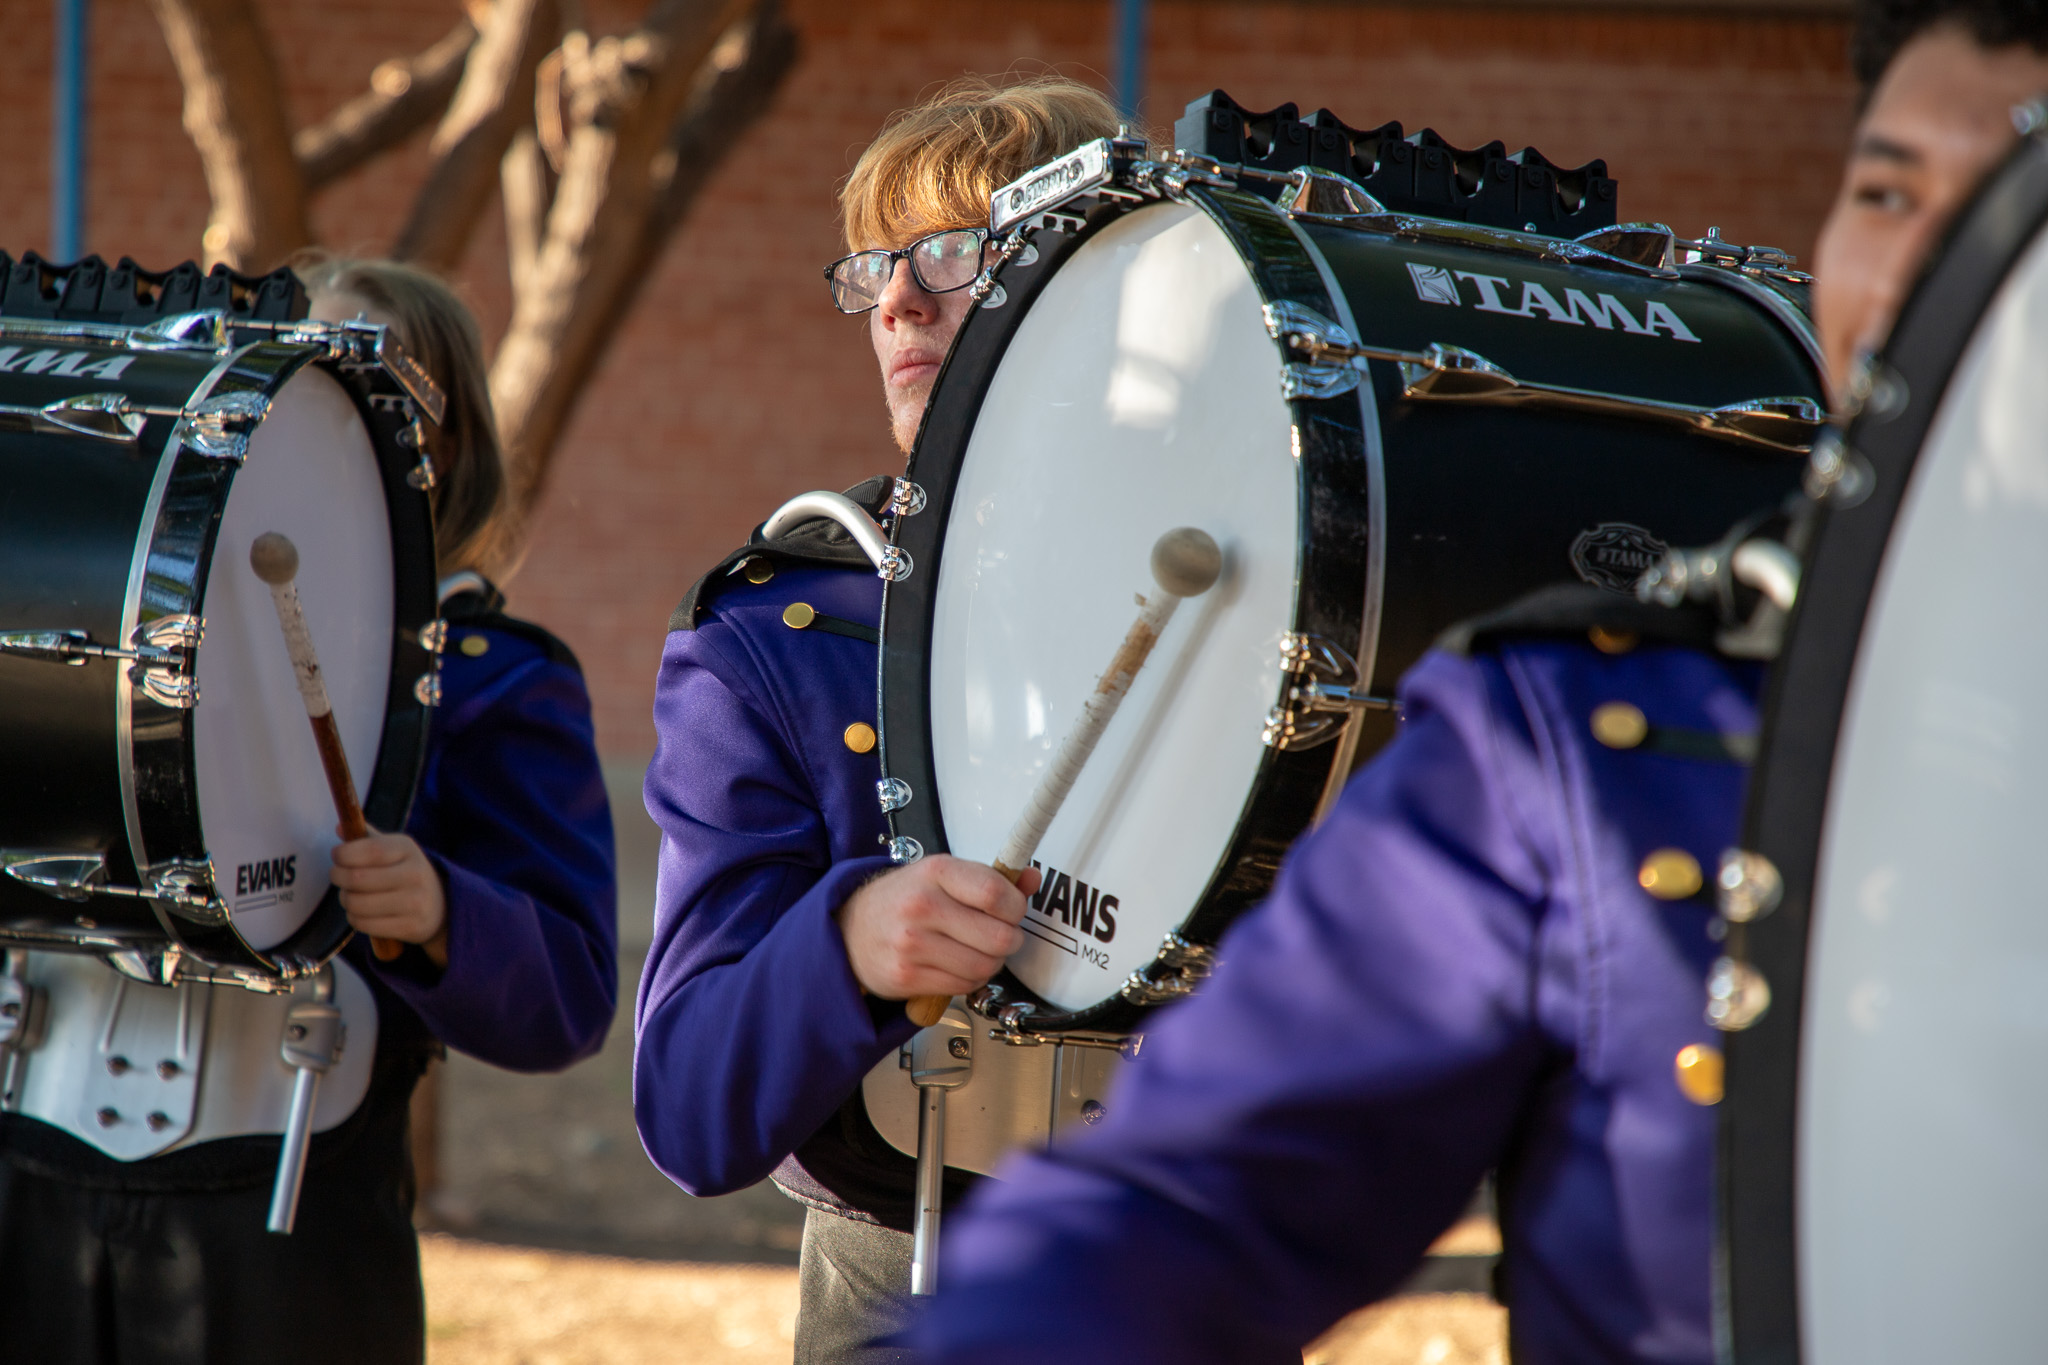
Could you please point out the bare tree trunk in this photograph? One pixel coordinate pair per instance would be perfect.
(493, 102)
(625, 97)
(405, 95)
(635, 125)
(235, 116)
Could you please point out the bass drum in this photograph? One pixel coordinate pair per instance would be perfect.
(1886, 1112)
(164, 791)
(1388, 423)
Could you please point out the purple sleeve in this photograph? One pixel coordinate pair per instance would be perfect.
(751, 1027)
(512, 812)
(1293, 1138)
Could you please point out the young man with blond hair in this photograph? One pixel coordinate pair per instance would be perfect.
(785, 943)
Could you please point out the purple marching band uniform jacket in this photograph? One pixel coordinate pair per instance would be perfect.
(1457, 972)
(511, 811)
(753, 1034)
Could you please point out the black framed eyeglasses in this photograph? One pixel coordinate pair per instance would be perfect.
(940, 263)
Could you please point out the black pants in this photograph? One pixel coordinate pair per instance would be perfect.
(853, 1281)
(99, 1276)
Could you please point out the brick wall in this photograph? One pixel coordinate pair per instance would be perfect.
(733, 384)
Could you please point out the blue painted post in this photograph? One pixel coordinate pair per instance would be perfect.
(67, 133)
(1130, 57)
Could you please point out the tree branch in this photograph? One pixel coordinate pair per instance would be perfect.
(491, 104)
(405, 95)
(747, 68)
(235, 117)
(524, 174)
(624, 97)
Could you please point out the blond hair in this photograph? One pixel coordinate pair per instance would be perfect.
(934, 166)
(438, 330)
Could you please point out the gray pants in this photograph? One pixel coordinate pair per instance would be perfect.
(852, 1282)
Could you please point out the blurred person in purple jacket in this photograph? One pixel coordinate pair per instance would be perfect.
(1491, 955)
(784, 943)
(502, 892)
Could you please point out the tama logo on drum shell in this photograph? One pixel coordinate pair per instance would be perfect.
(1435, 284)
(267, 874)
(1089, 910)
(1614, 554)
(19, 360)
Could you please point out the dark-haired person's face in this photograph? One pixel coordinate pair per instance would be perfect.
(1938, 121)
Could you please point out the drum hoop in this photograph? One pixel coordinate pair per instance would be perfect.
(131, 617)
(1330, 592)
(1756, 1264)
(168, 826)
(1367, 654)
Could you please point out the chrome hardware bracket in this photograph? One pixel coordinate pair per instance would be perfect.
(906, 499)
(1737, 995)
(1174, 974)
(1323, 692)
(185, 886)
(101, 416)
(893, 793)
(1313, 193)
(24, 1012)
(219, 427)
(1714, 249)
(434, 636)
(162, 641)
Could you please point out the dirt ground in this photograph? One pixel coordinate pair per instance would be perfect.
(558, 1243)
(495, 1305)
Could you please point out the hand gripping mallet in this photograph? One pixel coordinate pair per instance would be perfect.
(1186, 563)
(276, 561)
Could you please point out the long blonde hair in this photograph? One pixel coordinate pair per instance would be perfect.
(437, 329)
(935, 165)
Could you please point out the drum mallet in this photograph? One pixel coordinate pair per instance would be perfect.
(276, 561)
(1186, 562)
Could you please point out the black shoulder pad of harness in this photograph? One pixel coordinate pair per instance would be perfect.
(1574, 609)
(818, 543)
(485, 607)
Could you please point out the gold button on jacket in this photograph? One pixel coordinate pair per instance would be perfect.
(1670, 874)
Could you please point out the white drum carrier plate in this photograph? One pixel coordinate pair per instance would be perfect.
(138, 1070)
(263, 799)
(1118, 414)
(1923, 1114)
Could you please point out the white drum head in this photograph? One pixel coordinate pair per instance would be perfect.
(1923, 1110)
(1119, 412)
(264, 805)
